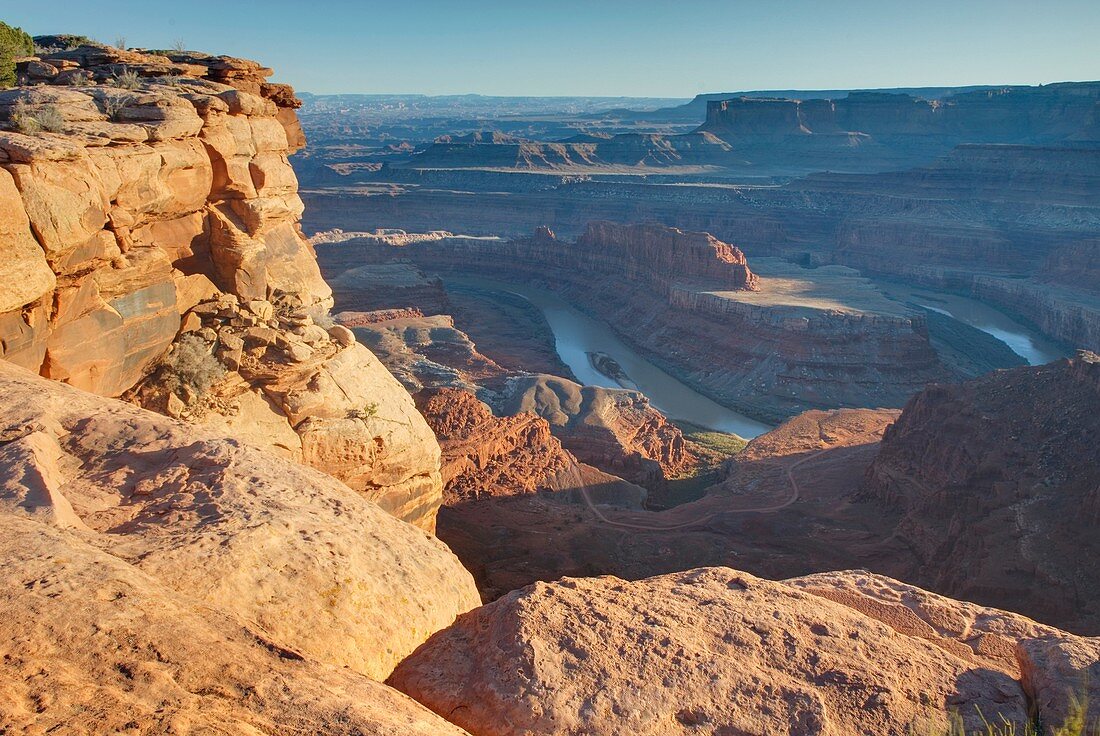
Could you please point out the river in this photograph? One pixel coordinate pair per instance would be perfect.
(1029, 344)
(576, 335)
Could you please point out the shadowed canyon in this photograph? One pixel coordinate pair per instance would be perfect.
(764, 412)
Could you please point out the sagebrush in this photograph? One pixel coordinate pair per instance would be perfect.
(191, 367)
(30, 120)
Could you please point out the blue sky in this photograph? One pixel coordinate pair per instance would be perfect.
(608, 47)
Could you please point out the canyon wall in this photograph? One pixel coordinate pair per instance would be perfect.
(1002, 223)
(152, 230)
(998, 488)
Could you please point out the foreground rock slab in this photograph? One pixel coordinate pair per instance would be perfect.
(718, 651)
(94, 645)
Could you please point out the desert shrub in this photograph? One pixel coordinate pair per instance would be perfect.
(120, 43)
(320, 316)
(43, 118)
(366, 412)
(113, 105)
(126, 79)
(14, 42)
(191, 367)
(179, 46)
(170, 80)
(80, 80)
(1077, 724)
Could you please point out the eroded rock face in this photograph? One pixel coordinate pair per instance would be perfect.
(318, 568)
(710, 650)
(493, 456)
(169, 211)
(998, 487)
(138, 192)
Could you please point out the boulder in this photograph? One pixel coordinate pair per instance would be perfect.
(318, 568)
(710, 650)
(358, 424)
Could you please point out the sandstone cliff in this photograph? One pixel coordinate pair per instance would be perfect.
(150, 223)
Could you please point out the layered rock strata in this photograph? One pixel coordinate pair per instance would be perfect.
(154, 204)
(1007, 115)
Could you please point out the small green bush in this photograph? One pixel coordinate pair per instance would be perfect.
(14, 42)
(62, 42)
(368, 411)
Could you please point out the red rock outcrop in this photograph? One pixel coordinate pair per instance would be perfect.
(998, 484)
(615, 430)
(166, 212)
(484, 455)
(489, 457)
(717, 650)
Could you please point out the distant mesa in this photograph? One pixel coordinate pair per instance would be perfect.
(1005, 115)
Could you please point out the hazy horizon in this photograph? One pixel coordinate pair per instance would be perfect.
(569, 48)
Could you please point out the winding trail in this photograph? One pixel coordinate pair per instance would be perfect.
(789, 469)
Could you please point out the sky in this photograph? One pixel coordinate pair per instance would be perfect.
(643, 48)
